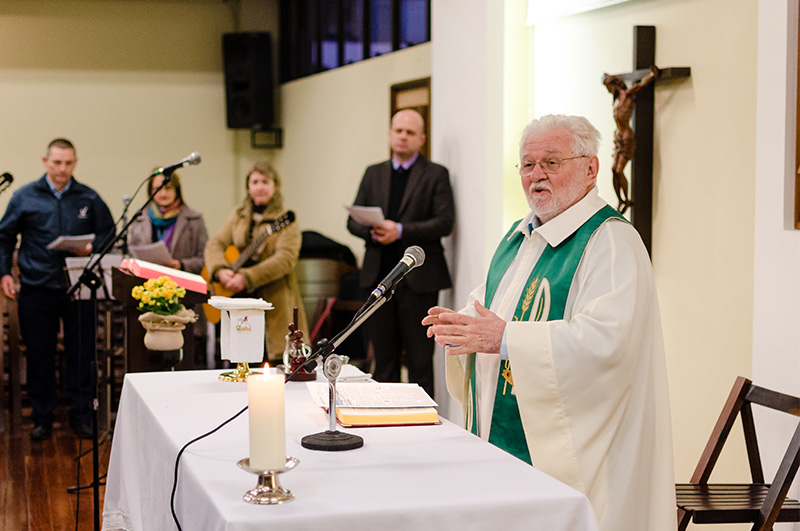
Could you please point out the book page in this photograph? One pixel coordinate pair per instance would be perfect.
(371, 395)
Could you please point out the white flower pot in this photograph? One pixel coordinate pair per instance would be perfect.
(165, 332)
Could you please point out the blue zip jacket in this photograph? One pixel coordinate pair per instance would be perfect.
(36, 214)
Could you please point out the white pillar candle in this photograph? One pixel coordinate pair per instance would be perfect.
(267, 421)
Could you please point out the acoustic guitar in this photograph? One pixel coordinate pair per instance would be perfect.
(236, 259)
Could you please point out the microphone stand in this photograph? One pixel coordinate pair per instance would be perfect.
(93, 281)
(126, 201)
(333, 440)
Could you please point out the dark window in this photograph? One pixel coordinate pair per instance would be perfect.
(353, 23)
(413, 22)
(382, 23)
(329, 22)
(310, 60)
(317, 35)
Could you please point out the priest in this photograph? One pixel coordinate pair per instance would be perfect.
(558, 358)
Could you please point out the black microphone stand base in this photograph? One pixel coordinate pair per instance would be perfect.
(332, 441)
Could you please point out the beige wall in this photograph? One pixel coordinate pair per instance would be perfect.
(135, 84)
(703, 179)
(335, 125)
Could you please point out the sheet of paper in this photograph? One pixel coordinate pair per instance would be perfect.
(68, 243)
(366, 215)
(369, 395)
(156, 252)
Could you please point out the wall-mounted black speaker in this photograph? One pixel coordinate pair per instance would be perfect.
(247, 59)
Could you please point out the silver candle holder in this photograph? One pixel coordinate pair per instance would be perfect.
(268, 491)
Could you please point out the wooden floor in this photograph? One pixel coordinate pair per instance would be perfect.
(34, 477)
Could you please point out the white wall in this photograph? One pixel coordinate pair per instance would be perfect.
(704, 182)
(703, 171)
(776, 333)
(724, 170)
(478, 82)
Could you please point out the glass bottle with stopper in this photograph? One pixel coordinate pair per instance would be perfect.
(296, 353)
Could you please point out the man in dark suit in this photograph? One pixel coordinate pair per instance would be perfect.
(417, 202)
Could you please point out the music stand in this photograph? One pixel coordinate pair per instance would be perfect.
(91, 280)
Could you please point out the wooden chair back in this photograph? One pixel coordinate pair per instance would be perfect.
(758, 502)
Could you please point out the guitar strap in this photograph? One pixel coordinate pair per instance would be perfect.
(256, 221)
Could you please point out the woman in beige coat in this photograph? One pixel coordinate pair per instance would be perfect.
(269, 274)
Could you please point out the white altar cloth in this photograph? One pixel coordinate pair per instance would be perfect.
(403, 478)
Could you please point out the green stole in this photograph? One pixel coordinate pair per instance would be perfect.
(547, 285)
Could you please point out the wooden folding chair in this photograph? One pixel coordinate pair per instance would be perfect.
(758, 502)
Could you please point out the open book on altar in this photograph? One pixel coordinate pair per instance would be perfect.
(377, 404)
(143, 269)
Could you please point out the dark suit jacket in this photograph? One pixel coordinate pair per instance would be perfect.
(427, 214)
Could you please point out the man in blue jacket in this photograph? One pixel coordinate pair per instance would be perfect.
(54, 205)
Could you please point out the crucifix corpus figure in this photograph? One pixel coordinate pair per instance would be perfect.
(624, 137)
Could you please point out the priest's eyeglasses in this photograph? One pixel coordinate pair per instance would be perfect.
(547, 165)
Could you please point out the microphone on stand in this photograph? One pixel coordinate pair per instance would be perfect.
(413, 257)
(5, 181)
(332, 439)
(191, 159)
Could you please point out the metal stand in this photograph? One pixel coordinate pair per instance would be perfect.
(332, 440)
(269, 490)
(92, 278)
(93, 282)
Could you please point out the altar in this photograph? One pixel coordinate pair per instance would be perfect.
(404, 478)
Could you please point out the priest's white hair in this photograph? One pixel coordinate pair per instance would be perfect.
(586, 138)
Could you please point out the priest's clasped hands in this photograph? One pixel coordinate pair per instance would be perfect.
(464, 334)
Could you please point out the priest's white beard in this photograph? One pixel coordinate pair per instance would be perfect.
(550, 206)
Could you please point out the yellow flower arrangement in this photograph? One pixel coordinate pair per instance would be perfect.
(159, 295)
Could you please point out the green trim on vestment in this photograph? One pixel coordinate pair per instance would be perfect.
(544, 299)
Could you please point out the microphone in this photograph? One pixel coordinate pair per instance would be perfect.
(413, 257)
(5, 181)
(191, 159)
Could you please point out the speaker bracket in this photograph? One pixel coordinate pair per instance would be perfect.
(266, 138)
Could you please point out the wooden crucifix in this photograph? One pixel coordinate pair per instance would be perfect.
(633, 140)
